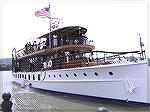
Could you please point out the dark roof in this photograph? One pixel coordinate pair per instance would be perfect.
(65, 30)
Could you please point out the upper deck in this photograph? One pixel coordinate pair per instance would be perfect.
(65, 39)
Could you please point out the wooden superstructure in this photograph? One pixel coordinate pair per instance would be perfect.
(64, 48)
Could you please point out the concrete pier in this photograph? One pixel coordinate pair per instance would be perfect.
(36, 101)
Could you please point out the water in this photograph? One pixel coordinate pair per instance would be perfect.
(33, 100)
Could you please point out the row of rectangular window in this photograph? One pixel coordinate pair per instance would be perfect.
(25, 76)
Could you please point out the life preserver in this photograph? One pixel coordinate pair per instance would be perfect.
(50, 63)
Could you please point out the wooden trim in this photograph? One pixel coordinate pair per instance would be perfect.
(87, 48)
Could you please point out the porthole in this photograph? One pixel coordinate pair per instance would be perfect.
(67, 75)
(59, 75)
(54, 75)
(84, 74)
(96, 74)
(49, 76)
(75, 75)
(111, 73)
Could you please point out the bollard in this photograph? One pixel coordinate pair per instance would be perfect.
(101, 109)
(6, 105)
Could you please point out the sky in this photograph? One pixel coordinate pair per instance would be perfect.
(113, 25)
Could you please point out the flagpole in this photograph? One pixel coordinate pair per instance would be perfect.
(141, 47)
(49, 27)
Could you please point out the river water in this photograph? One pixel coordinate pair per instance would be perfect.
(33, 100)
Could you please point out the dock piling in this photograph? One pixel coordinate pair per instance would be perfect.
(6, 105)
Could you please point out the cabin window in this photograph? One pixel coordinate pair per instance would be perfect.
(75, 75)
(25, 77)
(54, 75)
(33, 77)
(84, 74)
(55, 43)
(67, 75)
(96, 74)
(49, 76)
(28, 77)
(22, 75)
(59, 75)
(38, 76)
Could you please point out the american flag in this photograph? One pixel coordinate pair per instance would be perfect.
(43, 12)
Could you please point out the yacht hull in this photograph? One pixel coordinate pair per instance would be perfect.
(127, 82)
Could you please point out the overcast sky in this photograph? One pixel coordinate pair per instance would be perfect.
(112, 25)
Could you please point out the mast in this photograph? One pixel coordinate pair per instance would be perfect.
(141, 45)
(49, 28)
(50, 25)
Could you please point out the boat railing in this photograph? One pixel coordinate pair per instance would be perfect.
(119, 57)
(83, 61)
(31, 48)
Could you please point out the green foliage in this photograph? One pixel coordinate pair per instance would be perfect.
(5, 67)
(5, 64)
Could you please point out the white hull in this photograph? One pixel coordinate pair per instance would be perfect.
(122, 82)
